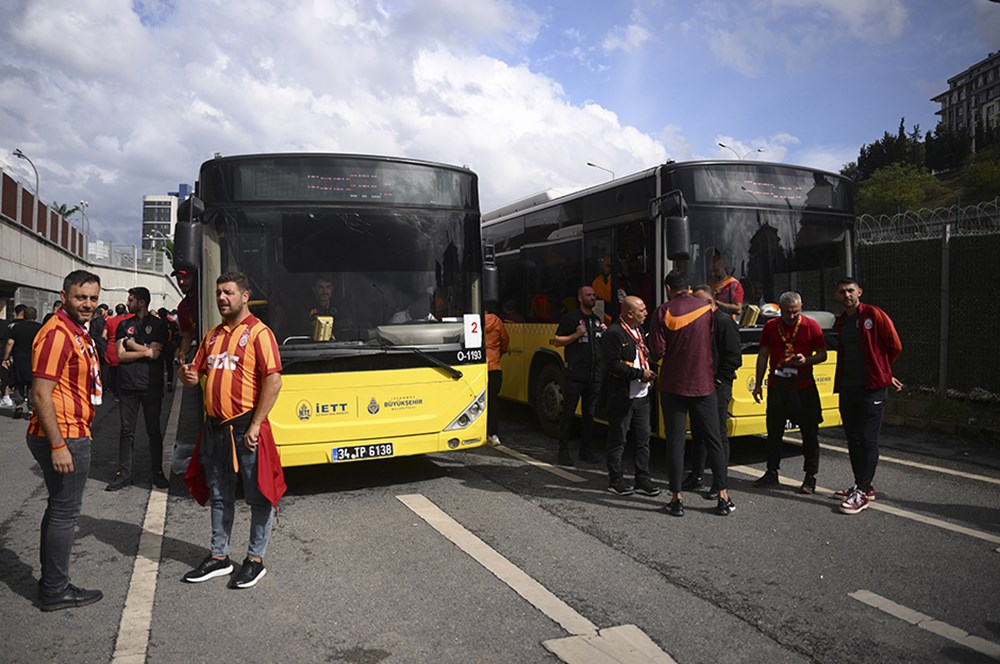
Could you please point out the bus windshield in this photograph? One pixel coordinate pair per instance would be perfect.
(386, 276)
(771, 251)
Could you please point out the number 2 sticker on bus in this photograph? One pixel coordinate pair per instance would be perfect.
(473, 331)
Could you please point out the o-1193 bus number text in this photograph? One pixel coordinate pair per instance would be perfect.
(355, 452)
(470, 355)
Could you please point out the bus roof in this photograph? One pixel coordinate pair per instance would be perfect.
(332, 155)
(541, 200)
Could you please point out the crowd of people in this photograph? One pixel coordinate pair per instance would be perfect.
(688, 354)
(690, 351)
(60, 371)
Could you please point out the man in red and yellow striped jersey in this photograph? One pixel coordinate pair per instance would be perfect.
(66, 387)
(239, 359)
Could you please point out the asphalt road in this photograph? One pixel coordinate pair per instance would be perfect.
(362, 568)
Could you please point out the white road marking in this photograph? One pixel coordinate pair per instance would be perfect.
(565, 474)
(922, 621)
(624, 644)
(906, 462)
(888, 509)
(137, 616)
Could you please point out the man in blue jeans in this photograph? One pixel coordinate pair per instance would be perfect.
(67, 390)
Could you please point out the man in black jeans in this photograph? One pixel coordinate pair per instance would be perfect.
(629, 374)
(868, 344)
(140, 341)
(579, 332)
(727, 356)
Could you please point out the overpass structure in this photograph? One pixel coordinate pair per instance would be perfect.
(39, 247)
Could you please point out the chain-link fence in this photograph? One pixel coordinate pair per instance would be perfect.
(932, 271)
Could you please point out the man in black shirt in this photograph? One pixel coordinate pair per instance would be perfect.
(579, 332)
(6, 379)
(140, 341)
(629, 375)
(727, 356)
(17, 358)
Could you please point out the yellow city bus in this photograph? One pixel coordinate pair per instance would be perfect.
(774, 227)
(369, 272)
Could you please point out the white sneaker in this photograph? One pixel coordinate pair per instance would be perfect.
(493, 440)
(6, 402)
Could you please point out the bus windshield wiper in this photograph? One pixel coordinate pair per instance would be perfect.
(447, 368)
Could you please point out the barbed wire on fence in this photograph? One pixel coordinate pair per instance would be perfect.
(980, 219)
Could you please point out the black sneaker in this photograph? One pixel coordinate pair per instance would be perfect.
(646, 487)
(713, 493)
(160, 480)
(250, 573)
(769, 478)
(564, 459)
(122, 479)
(808, 485)
(619, 487)
(209, 568)
(70, 598)
(675, 508)
(692, 482)
(588, 457)
(725, 507)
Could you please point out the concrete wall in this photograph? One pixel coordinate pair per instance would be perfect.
(38, 248)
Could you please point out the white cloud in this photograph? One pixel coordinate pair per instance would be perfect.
(629, 38)
(872, 20)
(113, 103)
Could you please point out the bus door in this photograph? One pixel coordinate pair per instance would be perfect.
(636, 274)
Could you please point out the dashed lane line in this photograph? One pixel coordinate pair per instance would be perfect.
(907, 462)
(623, 644)
(928, 623)
(888, 509)
(137, 616)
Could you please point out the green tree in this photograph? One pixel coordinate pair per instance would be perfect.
(898, 148)
(896, 188)
(981, 181)
(62, 210)
(850, 170)
(947, 150)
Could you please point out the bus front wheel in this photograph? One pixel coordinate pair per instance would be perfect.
(549, 399)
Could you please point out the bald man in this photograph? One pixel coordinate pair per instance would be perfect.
(629, 375)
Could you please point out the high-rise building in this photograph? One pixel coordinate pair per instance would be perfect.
(159, 213)
(973, 97)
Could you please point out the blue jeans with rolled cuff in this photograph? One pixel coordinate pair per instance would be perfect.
(216, 457)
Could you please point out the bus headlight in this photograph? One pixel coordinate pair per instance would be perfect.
(470, 414)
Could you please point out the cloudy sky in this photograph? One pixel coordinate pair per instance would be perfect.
(113, 99)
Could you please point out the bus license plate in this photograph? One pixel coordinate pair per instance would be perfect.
(357, 452)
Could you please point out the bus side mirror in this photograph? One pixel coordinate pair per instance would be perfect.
(678, 238)
(190, 210)
(187, 245)
(187, 234)
(491, 284)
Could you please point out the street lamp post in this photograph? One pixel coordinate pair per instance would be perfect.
(34, 213)
(86, 222)
(158, 236)
(86, 226)
(723, 145)
(606, 170)
(21, 155)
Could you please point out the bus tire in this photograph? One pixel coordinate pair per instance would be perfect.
(549, 399)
